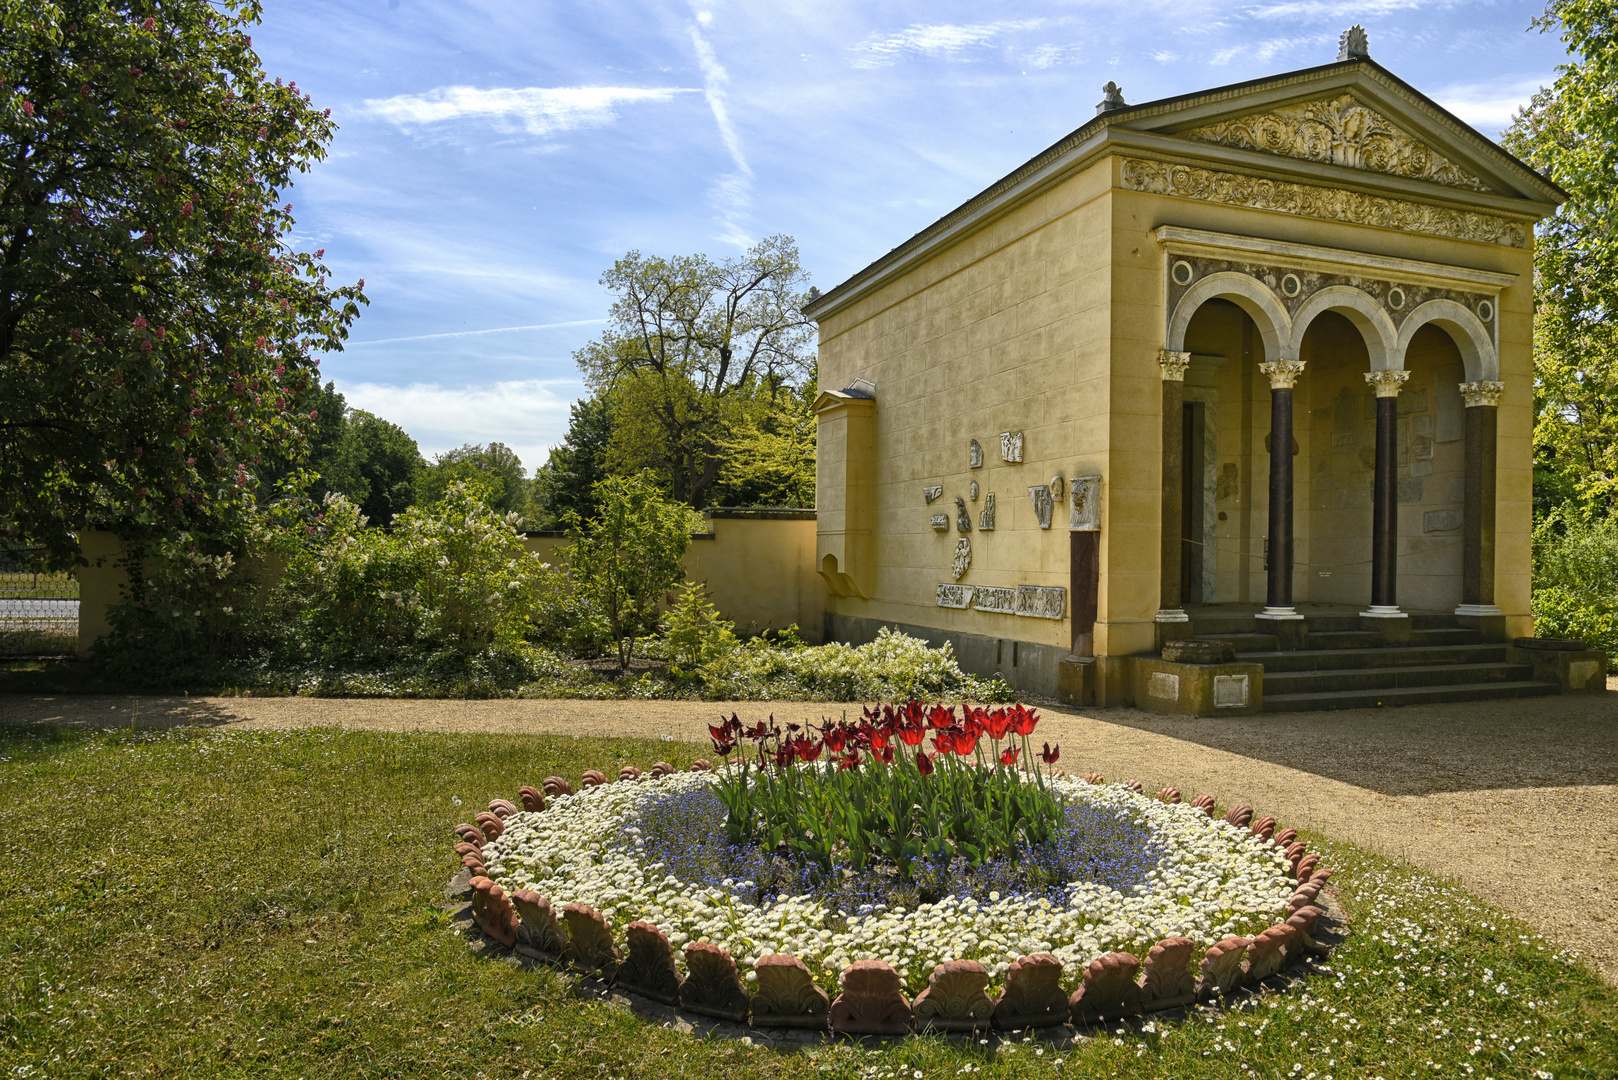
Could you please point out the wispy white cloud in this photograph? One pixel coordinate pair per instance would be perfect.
(732, 193)
(946, 41)
(530, 415)
(1354, 10)
(475, 333)
(538, 110)
(1048, 56)
(1488, 105)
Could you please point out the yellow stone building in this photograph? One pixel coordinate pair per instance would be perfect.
(1045, 419)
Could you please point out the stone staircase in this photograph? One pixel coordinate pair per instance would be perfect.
(1345, 667)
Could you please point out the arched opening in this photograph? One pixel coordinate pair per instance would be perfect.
(1335, 427)
(1432, 472)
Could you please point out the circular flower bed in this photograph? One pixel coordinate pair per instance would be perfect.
(895, 866)
(1158, 870)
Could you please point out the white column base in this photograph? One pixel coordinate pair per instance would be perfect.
(1171, 615)
(1287, 614)
(1384, 611)
(1478, 609)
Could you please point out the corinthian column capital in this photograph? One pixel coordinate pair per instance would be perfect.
(1387, 383)
(1173, 365)
(1283, 374)
(1482, 393)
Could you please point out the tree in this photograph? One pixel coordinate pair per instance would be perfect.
(495, 471)
(375, 464)
(155, 326)
(770, 458)
(566, 482)
(690, 341)
(1570, 133)
(628, 555)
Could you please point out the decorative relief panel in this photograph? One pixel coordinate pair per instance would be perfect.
(1011, 446)
(1042, 602)
(988, 598)
(1330, 204)
(1338, 131)
(955, 596)
(986, 518)
(1085, 496)
(963, 516)
(972, 491)
(963, 558)
(941, 522)
(931, 493)
(976, 455)
(1040, 495)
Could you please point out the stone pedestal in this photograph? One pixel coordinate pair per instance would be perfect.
(1567, 663)
(1197, 689)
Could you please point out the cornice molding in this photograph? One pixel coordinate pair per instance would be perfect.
(1178, 240)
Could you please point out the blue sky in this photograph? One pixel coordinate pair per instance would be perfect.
(494, 158)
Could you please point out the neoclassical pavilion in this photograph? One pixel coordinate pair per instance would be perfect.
(1262, 353)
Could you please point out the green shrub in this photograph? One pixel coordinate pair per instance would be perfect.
(693, 632)
(894, 667)
(1576, 581)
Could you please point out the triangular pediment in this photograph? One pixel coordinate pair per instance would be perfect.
(1338, 130)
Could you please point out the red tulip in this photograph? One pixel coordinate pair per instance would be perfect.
(1009, 755)
(879, 739)
(912, 734)
(1024, 721)
(924, 764)
(883, 753)
(850, 760)
(939, 717)
(996, 724)
(836, 737)
(1051, 753)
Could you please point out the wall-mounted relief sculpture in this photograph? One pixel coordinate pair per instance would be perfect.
(1011, 446)
(1041, 602)
(986, 518)
(963, 516)
(1040, 495)
(931, 493)
(955, 596)
(1003, 601)
(963, 558)
(972, 491)
(977, 455)
(941, 522)
(1057, 487)
(1086, 501)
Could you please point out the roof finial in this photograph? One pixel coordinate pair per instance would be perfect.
(1354, 45)
(1111, 98)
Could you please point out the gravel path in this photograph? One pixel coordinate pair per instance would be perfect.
(1517, 800)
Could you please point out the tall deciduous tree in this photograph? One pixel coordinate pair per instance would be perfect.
(689, 341)
(1570, 133)
(156, 329)
(494, 471)
(566, 482)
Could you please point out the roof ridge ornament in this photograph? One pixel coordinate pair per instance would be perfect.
(1112, 97)
(1354, 44)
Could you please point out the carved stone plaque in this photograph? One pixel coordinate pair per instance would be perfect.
(977, 455)
(1085, 492)
(1040, 495)
(972, 491)
(1011, 446)
(963, 558)
(963, 516)
(986, 518)
(941, 522)
(1165, 685)
(931, 493)
(1041, 601)
(1056, 487)
(994, 599)
(1230, 691)
(955, 596)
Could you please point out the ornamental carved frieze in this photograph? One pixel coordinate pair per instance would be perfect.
(1338, 131)
(1328, 204)
(1397, 298)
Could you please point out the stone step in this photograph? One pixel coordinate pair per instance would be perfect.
(1453, 635)
(1388, 678)
(1207, 625)
(1245, 643)
(1408, 695)
(1386, 656)
(1343, 639)
(1432, 620)
(1331, 624)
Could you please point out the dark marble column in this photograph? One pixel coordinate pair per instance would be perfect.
(1283, 376)
(1477, 527)
(1385, 498)
(1171, 619)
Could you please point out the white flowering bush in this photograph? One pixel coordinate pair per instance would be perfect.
(894, 667)
(1174, 871)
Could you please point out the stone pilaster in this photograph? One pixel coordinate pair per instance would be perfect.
(1172, 620)
(1283, 376)
(1477, 529)
(1385, 500)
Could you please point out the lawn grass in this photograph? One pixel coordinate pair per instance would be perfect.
(219, 904)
